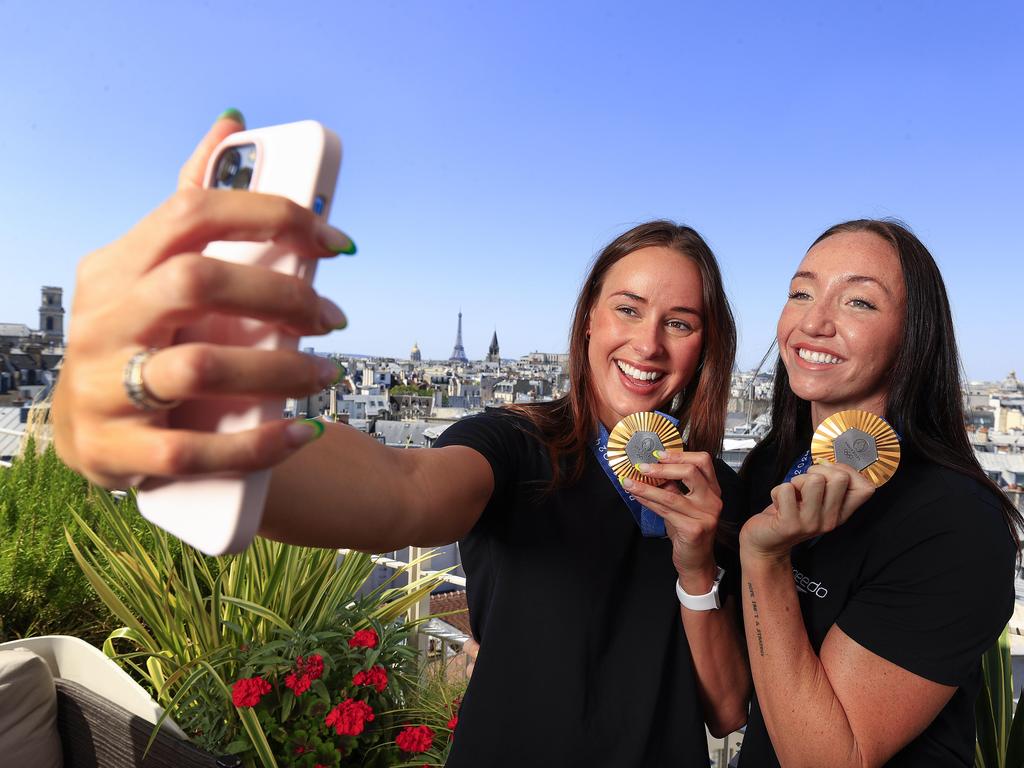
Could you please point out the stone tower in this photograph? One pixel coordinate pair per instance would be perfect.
(51, 315)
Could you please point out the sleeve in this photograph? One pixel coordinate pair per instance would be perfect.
(496, 436)
(727, 550)
(936, 590)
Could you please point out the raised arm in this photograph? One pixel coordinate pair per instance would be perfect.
(134, 294)
(848, 706)
(715, 641)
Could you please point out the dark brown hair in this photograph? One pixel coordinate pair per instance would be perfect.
(925, 400)
(568, 424)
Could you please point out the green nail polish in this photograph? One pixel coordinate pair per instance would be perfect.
(656, 454)
(232, 114)
(342, 325)
(348, 250)
(317, 424)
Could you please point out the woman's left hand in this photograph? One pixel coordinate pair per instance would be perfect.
(691, 518)
(807, 506)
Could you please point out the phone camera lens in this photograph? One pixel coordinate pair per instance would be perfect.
(227, 168)
(242, 178)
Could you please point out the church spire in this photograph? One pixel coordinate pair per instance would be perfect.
(493, 355)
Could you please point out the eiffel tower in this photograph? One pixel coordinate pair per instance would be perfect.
(459, 354)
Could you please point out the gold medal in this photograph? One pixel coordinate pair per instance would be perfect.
(634, 440)
(861, 440)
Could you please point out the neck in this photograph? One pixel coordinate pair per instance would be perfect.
(821, 410)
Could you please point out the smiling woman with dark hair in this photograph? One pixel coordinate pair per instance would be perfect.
(867, 611)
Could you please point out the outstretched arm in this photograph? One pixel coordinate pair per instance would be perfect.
(346, 489)
(137, 292)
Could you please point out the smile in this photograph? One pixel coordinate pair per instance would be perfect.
(818, 357)
(636, 373)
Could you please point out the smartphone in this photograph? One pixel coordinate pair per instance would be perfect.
(221, 514)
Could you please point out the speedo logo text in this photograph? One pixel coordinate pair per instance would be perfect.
(804, 584)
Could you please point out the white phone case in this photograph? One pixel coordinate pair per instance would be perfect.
(221, 514)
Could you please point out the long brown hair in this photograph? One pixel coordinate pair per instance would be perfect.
(925, 400)
(568, 424)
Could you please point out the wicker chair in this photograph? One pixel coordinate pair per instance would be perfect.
(104, 718)
(97, 733)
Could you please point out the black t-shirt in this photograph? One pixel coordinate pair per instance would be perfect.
(583, 660)
(921, 575)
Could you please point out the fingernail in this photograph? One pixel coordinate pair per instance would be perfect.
(304, 431)
(626, 482)
(331, 315)
(232, 114)
(644, 468)
(330, 371)
(334, 240)
(657, 454)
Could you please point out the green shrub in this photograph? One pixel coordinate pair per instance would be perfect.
(41, 587)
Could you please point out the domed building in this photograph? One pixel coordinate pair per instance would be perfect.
(414, 354)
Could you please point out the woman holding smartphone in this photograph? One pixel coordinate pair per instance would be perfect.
(865, 629)
(649, 646)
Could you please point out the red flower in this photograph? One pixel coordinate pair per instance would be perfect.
(350, 717)
(299, 684)
(306, 671)
(456, 703)
(415, 738)
(312, 665)
(247, 691)
(376, 676)
(364, 638)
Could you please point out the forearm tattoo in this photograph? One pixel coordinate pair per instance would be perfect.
(757, 619)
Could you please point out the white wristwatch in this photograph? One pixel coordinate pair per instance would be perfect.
(708, 602)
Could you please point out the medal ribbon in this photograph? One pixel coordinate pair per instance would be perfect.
(649, 522)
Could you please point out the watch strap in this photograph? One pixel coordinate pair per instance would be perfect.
(706, 602)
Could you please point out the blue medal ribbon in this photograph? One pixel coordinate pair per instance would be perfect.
(799, 467)
(649, 522)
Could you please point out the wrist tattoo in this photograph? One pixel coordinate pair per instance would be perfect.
(757, 618)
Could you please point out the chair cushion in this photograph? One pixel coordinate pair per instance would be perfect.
(28, 711)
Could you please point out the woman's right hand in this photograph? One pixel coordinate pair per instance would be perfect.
(807, 506)
(135, 294)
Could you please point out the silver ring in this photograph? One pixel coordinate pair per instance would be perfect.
(135, 386)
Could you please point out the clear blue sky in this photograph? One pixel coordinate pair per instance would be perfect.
(492, 148)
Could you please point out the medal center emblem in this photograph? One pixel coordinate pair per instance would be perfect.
(856, 448)
(641, 447)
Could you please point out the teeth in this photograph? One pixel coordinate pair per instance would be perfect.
(636, 373)
(818, 357)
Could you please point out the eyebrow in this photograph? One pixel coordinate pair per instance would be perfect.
(848, 279)
(642, 300)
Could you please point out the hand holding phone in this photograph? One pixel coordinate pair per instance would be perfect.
(300, 161)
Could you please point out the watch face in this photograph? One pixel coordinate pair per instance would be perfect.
(861, 440)
(633, 441)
